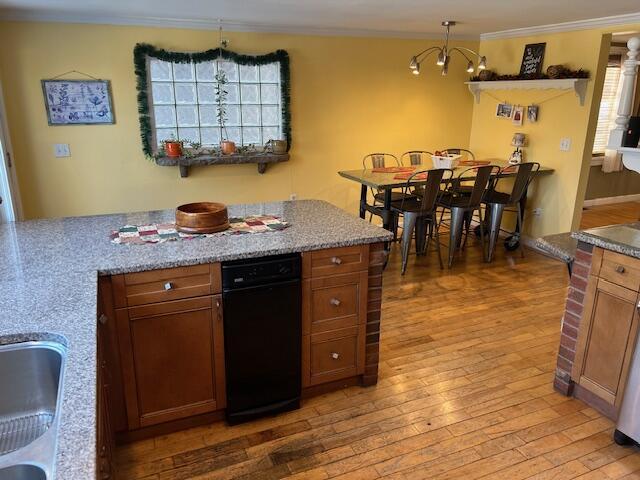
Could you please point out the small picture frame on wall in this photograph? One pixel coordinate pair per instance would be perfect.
(532, 113)
(78, 102)
(518, 113)
(504, 110)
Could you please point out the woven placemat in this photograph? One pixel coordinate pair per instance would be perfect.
(167, 232)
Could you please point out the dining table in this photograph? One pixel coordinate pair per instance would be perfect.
(387, 178)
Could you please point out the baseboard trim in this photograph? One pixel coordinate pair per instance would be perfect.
(612, 200)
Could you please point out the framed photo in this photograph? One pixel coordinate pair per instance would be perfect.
(518, 113)
(78, 102)
(532, 113)
(504, 110)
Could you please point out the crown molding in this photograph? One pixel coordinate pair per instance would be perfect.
(212, 24)
(626, 19)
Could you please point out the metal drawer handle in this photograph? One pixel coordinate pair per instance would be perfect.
(335, 302)
(336, 260)
(620, 269)
(335, 356)
(168, 286)
(102, 319)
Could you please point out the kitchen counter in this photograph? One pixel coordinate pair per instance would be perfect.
(48, 289)
(623, 239)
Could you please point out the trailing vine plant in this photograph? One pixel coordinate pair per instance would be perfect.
(142, 52)
(221, 100)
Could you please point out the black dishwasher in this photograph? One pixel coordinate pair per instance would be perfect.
(262, 336)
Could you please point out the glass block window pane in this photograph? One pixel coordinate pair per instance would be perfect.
(183, 72)
(206, 93)
(208, 115)
(165, 116)
(251, 115)
(250, 93)
(206, 72)
(184, 104)
(192, 134)
(230, 69)
(162, 93)
(210, 136)
(160, 71)
(187, 115)
(270, 115)
(186, 93)
(251, 135)
(270, 133)
(248, 73)
(270, 94)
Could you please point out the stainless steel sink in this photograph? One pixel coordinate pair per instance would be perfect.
(22, 472)
(30, 391)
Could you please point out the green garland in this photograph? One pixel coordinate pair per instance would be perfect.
(143, 50)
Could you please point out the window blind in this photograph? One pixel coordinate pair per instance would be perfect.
(608, 104)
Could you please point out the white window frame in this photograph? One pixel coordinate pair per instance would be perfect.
(11, 207)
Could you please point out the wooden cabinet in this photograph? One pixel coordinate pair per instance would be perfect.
(172, 356)
(334, 316)
(608, 329)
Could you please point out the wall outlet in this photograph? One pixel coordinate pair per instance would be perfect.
(293, 196)
(537, 211)
(61, 150)
(565, 144)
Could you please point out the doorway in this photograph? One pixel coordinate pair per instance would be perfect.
(613, 192)
(9, 201)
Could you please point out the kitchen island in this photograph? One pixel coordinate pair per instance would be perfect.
(600, 322)
(51, 271)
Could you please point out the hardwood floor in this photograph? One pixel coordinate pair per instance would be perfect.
(465, 391)
(601, 215)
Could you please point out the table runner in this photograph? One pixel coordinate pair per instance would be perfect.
(165, 232)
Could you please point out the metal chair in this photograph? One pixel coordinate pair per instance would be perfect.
(463, 206)
(498, 202)
(415, 158)
(420, 213)
(459, 151)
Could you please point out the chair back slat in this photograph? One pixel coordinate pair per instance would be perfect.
(459, 151)
(379, 160)
(415, 158)
(483, 177)
(436, 183)
(526, 172)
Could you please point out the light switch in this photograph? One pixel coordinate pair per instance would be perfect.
(565, 144)
(61, 150)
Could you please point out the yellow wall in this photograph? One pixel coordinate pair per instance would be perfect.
(560, 195)
(350, 96)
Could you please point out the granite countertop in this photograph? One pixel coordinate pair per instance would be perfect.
(48, 287)
(561, 245)
(623, 239)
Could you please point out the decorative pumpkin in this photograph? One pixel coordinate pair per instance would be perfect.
(556, 71)
(486, 75)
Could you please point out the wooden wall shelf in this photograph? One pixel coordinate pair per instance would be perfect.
(184, 163)
(579, 85)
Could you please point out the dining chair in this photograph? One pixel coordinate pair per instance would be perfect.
(463, 206)
(459, 151)
(382, 160)
(420, 213)
(416, 158)
(498, 202)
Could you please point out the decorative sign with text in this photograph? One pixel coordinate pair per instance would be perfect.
(532, 58)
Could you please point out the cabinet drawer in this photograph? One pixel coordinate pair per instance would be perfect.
(131, 289)
(621, 270)
(335, 355)
(335, 302)
(334, 261)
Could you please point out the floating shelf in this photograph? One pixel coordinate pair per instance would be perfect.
(184, 163)
(579, 85)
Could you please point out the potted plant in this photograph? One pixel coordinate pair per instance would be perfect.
(172, 147)
(227, 147)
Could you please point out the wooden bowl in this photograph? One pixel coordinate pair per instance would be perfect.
(202, 217)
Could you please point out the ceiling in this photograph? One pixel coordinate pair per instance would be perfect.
(374, 17)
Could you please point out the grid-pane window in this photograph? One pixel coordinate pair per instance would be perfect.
(183, 97)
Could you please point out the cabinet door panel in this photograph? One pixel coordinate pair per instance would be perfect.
(173, 366)
(606, 340)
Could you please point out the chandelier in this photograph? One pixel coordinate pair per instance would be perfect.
(444, 55)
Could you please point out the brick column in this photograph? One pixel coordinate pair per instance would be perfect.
(377, 257)
(571, 318)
